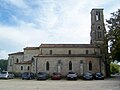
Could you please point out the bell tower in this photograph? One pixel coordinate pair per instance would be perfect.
(97, 27)
(98, 38)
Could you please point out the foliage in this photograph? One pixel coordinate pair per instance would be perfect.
(3, 64)
(113, 35)
(114, 68)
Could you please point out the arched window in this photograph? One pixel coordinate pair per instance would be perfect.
(70, 65)
(17, 60)
(21, 67)
(47, 66)
(69, 52)
(33, 61)
(90, 65)
(97, 15)
(50, 52)
(81, 61)
(28, 68)
(86, 51)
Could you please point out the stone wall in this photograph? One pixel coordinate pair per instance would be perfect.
(46, 51)
(64, 64)
(30, 53)
(16, 58)
(25, 68)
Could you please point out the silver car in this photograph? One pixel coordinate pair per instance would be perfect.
(72, 76)
(6, 75)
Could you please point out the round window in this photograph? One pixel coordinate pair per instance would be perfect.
(98, 27)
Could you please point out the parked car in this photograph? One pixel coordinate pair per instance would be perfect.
(28, 75)
(72, 76)
(87, 76)
(56, 76)
(99, 76)
(6, 75)
(42, 76)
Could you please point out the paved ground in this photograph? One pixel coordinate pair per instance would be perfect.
(18, 84)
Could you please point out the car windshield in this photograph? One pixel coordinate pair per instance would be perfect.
(88, 73)
(56, 74)
(10, 72)
(71, 73)
(3, 72)
(99, 74)
(25, 73)
(41, 73)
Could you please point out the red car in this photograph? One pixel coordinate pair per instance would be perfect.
(56, 76)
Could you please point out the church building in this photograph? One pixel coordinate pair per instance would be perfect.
(63, 58)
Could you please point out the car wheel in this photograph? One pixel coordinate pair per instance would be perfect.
(75, 78)
(30, 78)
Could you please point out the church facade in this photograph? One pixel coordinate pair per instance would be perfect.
(63, 58)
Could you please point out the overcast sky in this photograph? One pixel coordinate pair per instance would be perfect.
(32, 22)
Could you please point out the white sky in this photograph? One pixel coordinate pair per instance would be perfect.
(32, 22)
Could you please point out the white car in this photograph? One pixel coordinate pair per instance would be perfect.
(6, 75)
(72, 76)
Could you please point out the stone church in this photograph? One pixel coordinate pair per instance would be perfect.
(63, 58)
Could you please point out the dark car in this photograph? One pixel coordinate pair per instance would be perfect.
(28, 75)
(87, 76)
(42, 76)
(72, 76)
(56, 76)
(99, 76)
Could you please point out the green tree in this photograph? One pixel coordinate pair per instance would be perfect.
(113, 35)
(114, 68)
(3, 64)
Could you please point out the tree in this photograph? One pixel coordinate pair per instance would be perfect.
(114, 68)
(3, 64)
(113, 35)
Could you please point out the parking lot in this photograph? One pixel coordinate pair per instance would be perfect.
(18, 84)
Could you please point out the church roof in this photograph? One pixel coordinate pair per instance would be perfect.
(17, 53)
(31, 48)
(66, 46)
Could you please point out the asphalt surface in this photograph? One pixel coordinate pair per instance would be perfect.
(18, 84)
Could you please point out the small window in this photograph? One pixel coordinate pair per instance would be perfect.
(17, 60)
(32, 59)
(81, 61)
(97, 15)
(99, 27)
(99, 35)
(69, 52)
(59, 61)
(28, 68)
(47, 66)
(70, 65)
(21, 67)
(86, 51)
(50, 52)
(90, 65)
